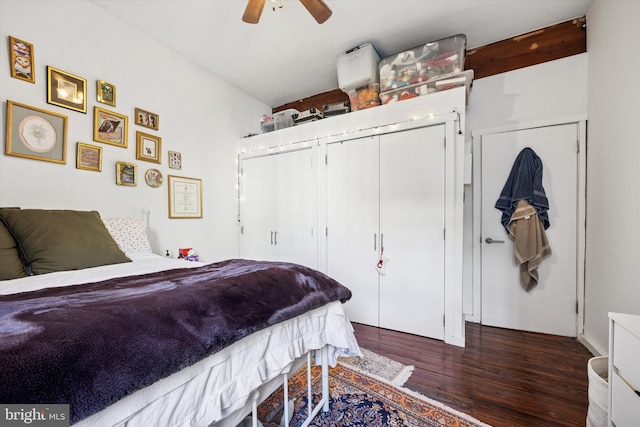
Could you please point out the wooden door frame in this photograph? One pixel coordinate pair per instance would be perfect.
(581, 121)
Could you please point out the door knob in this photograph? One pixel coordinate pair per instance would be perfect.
(490, 240)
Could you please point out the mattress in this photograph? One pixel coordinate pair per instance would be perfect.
(221, 384)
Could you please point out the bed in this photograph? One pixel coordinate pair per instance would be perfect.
(90, 317)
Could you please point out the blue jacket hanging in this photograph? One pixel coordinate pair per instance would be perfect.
(524, 183)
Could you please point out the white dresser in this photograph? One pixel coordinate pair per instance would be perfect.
(624, 370)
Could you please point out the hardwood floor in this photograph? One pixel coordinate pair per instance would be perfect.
(502, 377)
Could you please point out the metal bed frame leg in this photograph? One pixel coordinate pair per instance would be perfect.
(254, 409)
(312, 410)
(324, 402)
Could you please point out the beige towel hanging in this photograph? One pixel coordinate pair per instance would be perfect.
(530, 243)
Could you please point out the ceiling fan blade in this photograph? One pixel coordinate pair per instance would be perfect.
(318, 9)
(253, 11)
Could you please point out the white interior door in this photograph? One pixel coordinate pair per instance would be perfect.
(352, 222)
(412, 171)
(552, 305)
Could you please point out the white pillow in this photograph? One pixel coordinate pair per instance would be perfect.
(129, 233)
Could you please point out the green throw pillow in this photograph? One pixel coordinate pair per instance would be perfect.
(59, 240)
(11, 267)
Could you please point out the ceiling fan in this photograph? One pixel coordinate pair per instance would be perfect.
(317, 8)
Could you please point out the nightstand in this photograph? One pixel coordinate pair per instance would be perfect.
(624, 370)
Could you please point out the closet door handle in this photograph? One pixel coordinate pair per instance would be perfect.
(381, 240)
(275, 237)
(272, 237)
(375, 240)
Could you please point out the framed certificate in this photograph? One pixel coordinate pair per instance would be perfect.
(185, 197)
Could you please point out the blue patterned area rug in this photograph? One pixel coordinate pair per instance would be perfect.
(358, 398)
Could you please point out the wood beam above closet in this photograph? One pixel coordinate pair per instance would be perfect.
(543, 45)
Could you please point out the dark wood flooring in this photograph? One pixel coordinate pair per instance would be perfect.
(501, 377)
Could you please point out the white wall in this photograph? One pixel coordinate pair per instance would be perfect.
(200, 116)
(613, 175)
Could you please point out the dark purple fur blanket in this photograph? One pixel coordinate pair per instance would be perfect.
(90, 345)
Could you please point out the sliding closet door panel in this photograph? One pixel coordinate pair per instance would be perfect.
(258, 212)
(412, 171)
(352, 220)
(279, 208)
(296, 198)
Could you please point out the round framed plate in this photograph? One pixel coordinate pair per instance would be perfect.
(37, 134)
(153, 177)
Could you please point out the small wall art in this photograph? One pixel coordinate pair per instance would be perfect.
(36, 134)
(147, 119)
(66, 90)
(126, 174)
(109, 127)
(175, 160)
(106, 93)
(88, 157)
(148, 147)
(153, 177)
(22, 60)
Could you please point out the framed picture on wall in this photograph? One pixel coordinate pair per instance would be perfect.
(36, 134)
(22, 60)
(106, 93)
(175, 160)
(148, 147)
(147, 119)
(126, 174)
(66, 90)
(88, 157)
(109, 127)
(185, 197)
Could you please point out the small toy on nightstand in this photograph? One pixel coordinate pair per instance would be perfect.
(188, 253)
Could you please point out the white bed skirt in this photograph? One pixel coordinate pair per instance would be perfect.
(220, 386)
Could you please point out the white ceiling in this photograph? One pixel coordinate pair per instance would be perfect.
(288, 56)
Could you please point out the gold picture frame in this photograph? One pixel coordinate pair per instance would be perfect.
(175, 160)
(88, 157)
(35, 134)
(185, 197)
(147, 119)
(110, 127)
(126, 174)
(153, 178)
(66, 90)
(22, 60)
(148, 147)
(105, 93)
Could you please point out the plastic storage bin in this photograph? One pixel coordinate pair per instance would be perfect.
(437, 84)
(358, 67)
(365, 97)
(423, 63)
(266, 124)
(284, 119)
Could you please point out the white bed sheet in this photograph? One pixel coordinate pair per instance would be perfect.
(221, 384)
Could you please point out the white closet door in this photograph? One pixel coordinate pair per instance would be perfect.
(279, 208)
(352, 220)
(297, 208)
(412, 195)
(258, 212)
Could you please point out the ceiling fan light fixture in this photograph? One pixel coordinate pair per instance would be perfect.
(317, 8)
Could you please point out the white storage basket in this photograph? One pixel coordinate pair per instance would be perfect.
(598, 373)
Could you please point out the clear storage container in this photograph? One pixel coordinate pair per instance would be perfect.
(423, 63)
